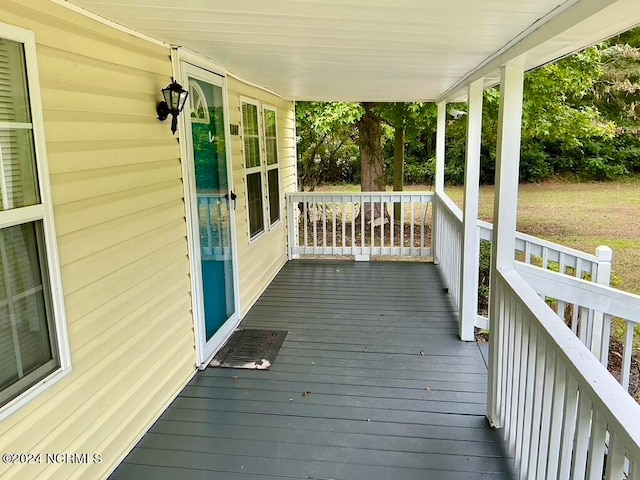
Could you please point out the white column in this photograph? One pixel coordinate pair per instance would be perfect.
(470, 237)
(438, 180)
(440, 142)
(505, 213)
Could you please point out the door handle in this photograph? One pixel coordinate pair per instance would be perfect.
(233, 197)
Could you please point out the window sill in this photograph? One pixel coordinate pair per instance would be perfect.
(32, 393)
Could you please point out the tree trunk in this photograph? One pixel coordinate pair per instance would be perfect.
(398, 162)
(371, 159)
(370, 143)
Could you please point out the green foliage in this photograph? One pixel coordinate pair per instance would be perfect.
(483, 277)
(420, 173)
(327, 149)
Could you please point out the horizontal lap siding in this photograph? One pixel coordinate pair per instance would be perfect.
(119, 211)
(260, 260)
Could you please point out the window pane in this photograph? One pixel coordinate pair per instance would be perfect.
(8, 362)
(254, 194)
(250, 119)
(26, 328)
(270, 123)
(272, 151)
(250, 134)
(14, 96)
(271, 144)
(274, 195)
(18, 177)
(252, 151)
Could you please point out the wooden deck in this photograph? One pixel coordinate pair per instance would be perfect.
(393, 393)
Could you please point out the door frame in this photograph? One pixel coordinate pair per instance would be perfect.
(183, 67)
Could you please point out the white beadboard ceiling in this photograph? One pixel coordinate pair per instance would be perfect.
(372, 50)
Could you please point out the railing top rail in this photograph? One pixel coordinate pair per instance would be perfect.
(425, 193)
(584, 293)
(450, 205)
(543, 243)
(618, 407)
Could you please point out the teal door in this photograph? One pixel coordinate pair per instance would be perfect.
(214, 203)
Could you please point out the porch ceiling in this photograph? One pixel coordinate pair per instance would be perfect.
(376, 50)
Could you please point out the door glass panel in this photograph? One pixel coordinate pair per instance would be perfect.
(214, 214)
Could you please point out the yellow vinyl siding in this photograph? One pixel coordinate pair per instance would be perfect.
(261, 259)
(119, 212)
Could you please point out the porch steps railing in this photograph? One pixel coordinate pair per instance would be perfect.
(548, 255)
(529, 249)
(595, 307)
(574, 284)
(562, 415)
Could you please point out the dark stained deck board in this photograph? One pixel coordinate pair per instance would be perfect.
(393, 393)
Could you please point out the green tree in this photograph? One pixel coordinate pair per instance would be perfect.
(327, 148)
(617, 93)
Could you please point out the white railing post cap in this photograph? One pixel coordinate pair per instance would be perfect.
(604, 253)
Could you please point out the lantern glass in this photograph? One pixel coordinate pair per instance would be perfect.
(175, 96)
(171, 97)
(182, 99)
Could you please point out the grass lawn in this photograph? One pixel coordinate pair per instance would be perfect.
(578, 215)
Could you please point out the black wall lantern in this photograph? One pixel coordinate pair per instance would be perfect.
(174, 99)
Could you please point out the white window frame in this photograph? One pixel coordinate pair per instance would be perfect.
(268, 168)
(257, 169)
(262, 168)
(41, 212)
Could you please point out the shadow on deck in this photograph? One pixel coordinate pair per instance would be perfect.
(393, 393)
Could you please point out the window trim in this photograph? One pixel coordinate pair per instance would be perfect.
(263, 169)
(252, 170)
(40, 212)
(275, 224)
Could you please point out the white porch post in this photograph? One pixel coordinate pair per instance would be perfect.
(440, 141)
(505, 214)
(439, 176)
(470, 235)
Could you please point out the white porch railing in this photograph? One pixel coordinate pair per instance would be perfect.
(448, 243)
(534, 250)
(568, 261)
(593, 308)
(563, 415)
(360, 224)
(448, 218)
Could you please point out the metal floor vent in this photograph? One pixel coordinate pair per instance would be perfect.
(251, 349)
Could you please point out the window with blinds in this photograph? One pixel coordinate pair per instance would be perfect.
(253, 168)
(271, 150)
(28, 341)
(260, 141)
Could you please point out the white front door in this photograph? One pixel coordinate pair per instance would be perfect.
(212, 210)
